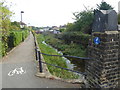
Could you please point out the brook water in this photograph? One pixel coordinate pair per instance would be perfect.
(72, 63)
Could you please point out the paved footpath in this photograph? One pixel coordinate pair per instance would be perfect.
(23, 56)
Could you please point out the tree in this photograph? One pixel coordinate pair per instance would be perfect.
(5, 17)
(104, 6)
(83, 21)
(5, 21)
(69, 27)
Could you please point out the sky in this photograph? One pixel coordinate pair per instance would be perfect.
(52, 12)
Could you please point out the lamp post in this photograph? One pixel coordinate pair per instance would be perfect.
(21, 17)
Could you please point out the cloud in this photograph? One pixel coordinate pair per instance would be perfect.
(52, 12)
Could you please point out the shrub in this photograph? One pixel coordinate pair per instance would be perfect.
(12, 40)
(24, 34)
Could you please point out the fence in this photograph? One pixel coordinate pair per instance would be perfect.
(38, 57)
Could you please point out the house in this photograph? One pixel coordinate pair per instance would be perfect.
(22, 24)
(54, 30)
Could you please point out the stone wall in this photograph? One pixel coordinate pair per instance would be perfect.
(119, 60)
(103, 69)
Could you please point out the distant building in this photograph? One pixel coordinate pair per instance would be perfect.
(56, 31)
(55, 28)
(22, 24)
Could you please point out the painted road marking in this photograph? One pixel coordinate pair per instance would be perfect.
(16, 71)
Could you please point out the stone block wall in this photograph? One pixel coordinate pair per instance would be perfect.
(103, 69)
(119, 61)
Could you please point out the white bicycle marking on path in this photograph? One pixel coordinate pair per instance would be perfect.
(16, 71)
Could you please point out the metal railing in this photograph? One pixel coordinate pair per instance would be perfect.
(38, 58)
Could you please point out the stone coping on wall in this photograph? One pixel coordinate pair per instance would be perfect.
(111, 32)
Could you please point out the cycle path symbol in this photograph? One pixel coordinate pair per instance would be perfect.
(16, 71)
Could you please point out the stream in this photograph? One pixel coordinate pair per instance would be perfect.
(72, 63)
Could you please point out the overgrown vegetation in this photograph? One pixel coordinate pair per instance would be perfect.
(83, 22)
(69, 45)
(59, 61)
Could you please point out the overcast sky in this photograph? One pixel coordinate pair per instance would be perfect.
(52, 12)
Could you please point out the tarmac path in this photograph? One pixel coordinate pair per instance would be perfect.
(22, 59)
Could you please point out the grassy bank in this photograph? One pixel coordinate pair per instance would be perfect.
(59, 61)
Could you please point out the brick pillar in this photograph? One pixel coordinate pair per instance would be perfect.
(102, 70)
(119, 60)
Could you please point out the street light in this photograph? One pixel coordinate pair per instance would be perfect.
(21, 17)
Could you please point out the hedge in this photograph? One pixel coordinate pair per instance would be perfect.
(13, 39)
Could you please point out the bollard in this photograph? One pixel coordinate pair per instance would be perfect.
(40, 63)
